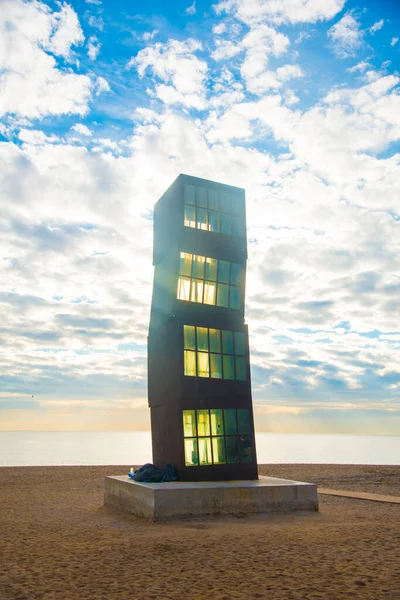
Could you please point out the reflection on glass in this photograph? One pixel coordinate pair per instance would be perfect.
(211, 269)
(240, 363)
(227, 342)
(188, 193)
(218, 444)
(234, 298)
(222, 295)
(213, 199)
(230, 421)
(213, 222)
(210, 290)
(202, 339)
(189, 337)
(185, 264)
(243, 420)
(232, 449)
(201, 218)
(183, 289)
(217, 421)
(228, 366)
(225, 201)
(190, 363)
(215, 340)
(203, 423)
(191, 456)
(201, 196)
(205, 456)
(223, 271)
(225, 224)
(190, 216)
(236, 274)
(196, 293)
(216, 366)
(198, 266)
(237, 226)
(189, 423)
(246, 454)
(203, 369)
(240, 347)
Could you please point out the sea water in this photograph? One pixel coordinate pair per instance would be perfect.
(49, 448)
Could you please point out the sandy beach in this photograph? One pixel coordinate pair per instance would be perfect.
(58, 541)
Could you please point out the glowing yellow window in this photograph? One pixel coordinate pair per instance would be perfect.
(183, 289)
(196, 294)
(205, 456)
(191, 455)
(190, 363)
(210, 292)
(203, 368)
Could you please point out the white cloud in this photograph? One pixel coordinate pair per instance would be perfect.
(394, 41)
(281, 11)
(361, 67)
(288, 71)
(102, 86)
(149, 35)
(346, 36)
(82, 129)
(219, 29)
(27, 30)
(93, 47)
(376, 26)
(191, 10)
(36, 137)
(182, 73)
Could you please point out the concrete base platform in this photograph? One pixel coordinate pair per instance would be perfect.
(159, 501)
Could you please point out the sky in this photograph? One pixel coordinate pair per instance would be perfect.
(103, 103)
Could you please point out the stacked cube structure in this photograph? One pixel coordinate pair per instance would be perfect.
(198, 349)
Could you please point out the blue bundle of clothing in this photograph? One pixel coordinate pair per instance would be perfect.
(150, 473)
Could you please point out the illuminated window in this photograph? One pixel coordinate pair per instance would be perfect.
(212, 210)
(217, 436)
(214, 353)
(210, 281)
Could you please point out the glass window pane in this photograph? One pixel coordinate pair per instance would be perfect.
(196, 293)
(236, 274)
(202, 218)
(211, 269)
(225, 202)
(190, 363)
(215, 340)
(210, 293)
(183, 289)
(205, 456)
(213, 199)
(228, 366)
(213, 221)
(234, 297)
(243, 420)
(237, 204)
(185, 264)
(191, 455)
(202, 339)
(232, 449)
(190, 216)
(222, 295)
(188, 193)
(203, 369)
(240, 345)
(201, 196)
(189, 423)
(216, 366)
(218, 445)
(245, 449)
(188, 337)
(203, 423)
(240, 363)
(217, 421)
(227, 342)
(237, 226)
(223, 271)
(230, 421)
(198, 266)
(225, 223)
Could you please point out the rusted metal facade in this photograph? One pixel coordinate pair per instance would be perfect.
(198, 351)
